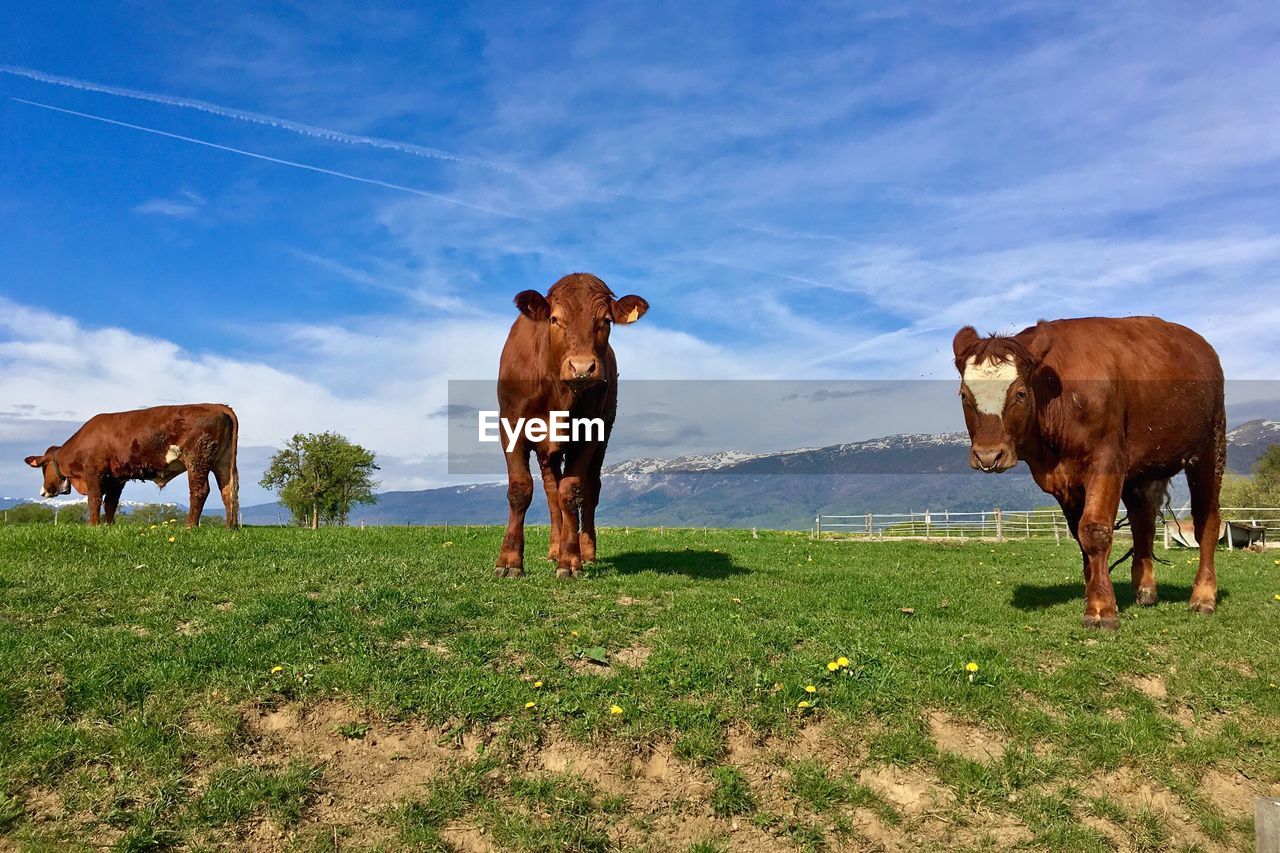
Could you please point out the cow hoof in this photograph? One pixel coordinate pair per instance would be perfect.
(1103, 623)
(563, 573)
(508, 572)
(1205, 606)
(1146, 596)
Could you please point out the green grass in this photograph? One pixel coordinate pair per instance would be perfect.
(131, 666)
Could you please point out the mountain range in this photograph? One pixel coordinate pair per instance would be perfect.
(784, 490)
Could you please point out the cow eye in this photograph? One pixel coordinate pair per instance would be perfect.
(554, 320)
(1020, 396)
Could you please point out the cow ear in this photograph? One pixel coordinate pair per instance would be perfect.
(629, 308)
(964, 341)
(533, 305)
(1041, 341)
(35, 461)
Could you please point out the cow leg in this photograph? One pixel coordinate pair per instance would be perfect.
(590, 498)
(227, 477)
(111, 490)
(551, 487)
(94, 498)
(1097, 523)
(1142, 500)
(198, 480)
(519, 495)
(1204, 476)
(571, 500)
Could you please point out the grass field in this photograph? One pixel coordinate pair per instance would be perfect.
(379, 689)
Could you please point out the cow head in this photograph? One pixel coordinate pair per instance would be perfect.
(998, 395)
(54, 482)
(578, 311)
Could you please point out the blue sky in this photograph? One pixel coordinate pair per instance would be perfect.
(820, 190)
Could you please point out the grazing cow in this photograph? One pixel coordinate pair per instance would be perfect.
(557, 358)
(147, 444)
(1103, 410)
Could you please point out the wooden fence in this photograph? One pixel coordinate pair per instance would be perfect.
(1003, 525)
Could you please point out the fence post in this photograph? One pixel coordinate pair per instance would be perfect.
(1056, 538)
(1166, 534)
(928, 524)
(817, 527)
(999, 526)
(1028, 518)
(869, 525)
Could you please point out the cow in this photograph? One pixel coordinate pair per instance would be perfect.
(154, 444)
(1103, 410)
(557, 358)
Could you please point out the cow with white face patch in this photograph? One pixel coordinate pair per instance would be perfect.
(1103, 410)
(156, 445)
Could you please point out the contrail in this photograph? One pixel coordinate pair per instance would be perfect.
(255, 118)
(308, 167)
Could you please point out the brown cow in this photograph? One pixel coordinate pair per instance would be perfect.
(147, 444)
(557, 358)
(1103, 410)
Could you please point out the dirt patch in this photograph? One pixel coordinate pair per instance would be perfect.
(360, 777)
(912, 791)
(963, 738)
(1232, 793)
(1151, 686)
(633, 656)
(1135, 793)
(188, 629)
(465, 838)
(407, 642)
(225, 606)
(586, 666)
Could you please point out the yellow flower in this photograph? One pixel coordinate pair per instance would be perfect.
(447, 545)
(173, 538)
(803, 704)
(276, 669)
(971, 666)
(843, 662)
(529, 704)
(832, 666)
(1276, 597)
(537, 684)
(573, 633)
(615, 710)
(153, 527)
(809, 688)
(737, 601)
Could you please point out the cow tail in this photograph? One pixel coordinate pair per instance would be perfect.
(235, 470)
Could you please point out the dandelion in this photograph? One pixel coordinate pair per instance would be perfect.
(275, 670)
(529, 705)
(173, 538)
(537, 685)
(971, 666)
(447, 545)
(832, 666)
(802, 705)
(1276, 597)
(615, 710)
(737, 601)
(573, 633)
(153, 527)
(842, 662)
(809, 688)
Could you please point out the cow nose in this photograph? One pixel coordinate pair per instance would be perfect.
(987, 459)
(582, 368)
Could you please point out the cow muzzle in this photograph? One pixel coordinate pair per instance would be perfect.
(581, 372)
(992, 460)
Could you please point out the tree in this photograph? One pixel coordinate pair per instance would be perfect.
(1261, 489)
(37, 513)
(320, 476)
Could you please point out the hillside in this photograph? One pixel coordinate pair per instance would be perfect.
(782, 490)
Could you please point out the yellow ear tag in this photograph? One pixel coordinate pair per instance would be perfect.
(634, 315)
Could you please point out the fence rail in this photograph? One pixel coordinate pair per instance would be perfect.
(1003, 525)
